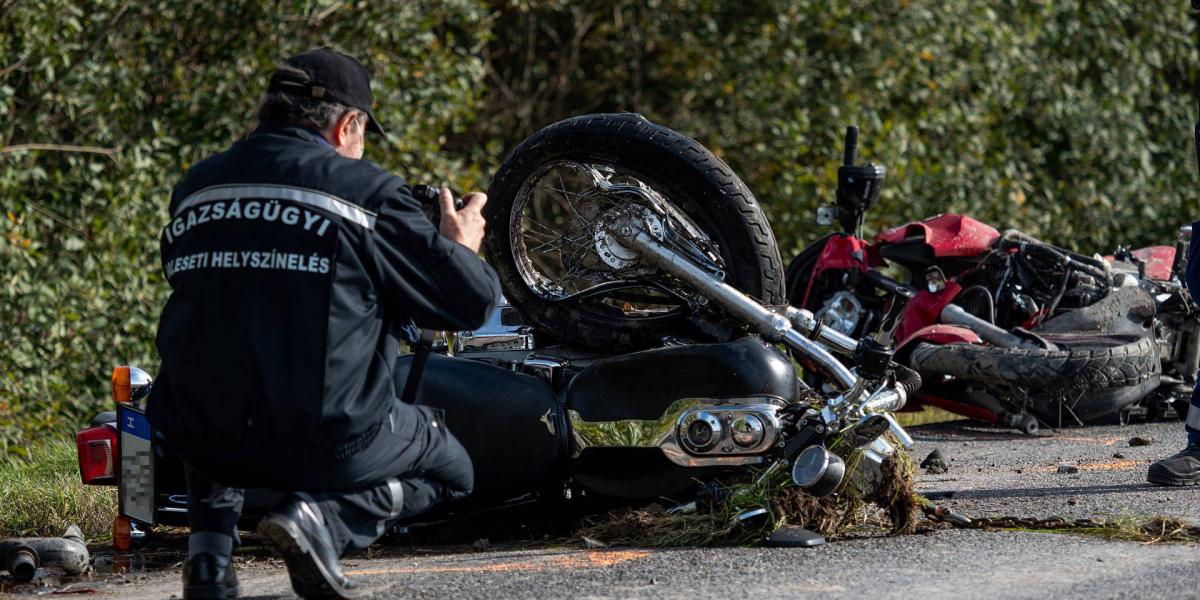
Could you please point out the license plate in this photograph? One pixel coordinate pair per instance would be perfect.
(136, 487)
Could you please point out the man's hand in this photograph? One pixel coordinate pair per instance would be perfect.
(464, 226)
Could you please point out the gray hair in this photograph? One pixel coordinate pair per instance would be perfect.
(290, 109)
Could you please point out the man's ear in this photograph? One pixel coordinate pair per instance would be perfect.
(345, 128)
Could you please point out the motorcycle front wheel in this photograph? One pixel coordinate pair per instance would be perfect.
(548, 206)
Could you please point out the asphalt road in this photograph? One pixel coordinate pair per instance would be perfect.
(991, 473)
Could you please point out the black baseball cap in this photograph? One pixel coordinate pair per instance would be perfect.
(332, 76)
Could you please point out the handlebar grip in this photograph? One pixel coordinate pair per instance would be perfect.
(850, 149)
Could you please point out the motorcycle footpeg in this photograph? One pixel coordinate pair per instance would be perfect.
(866, 431)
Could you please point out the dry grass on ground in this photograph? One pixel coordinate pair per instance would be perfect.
(892, 508)
(41, 496)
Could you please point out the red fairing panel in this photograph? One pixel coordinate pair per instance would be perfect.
(1158, 261)
(948, 235)
(925, 309)
(844, 253)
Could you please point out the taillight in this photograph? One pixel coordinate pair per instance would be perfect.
(97, 455)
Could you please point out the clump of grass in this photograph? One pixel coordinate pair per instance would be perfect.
(1153, 530)
(891, 507)
(42, 495)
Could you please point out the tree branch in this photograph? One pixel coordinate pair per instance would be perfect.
(109, 152)
(14, 66)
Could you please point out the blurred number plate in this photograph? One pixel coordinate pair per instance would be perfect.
(136, 495)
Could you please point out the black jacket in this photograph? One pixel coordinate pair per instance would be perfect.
(293, 271)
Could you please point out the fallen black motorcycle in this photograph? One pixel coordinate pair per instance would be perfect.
(642, 353)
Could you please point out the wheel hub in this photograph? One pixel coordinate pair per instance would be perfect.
(610, 250)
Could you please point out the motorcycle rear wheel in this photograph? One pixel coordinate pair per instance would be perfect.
(569, 294)
(1099, 374)
(1093, 361)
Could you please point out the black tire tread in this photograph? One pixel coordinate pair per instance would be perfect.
(1087, 366)
(761, 274)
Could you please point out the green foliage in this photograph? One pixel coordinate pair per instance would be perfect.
(1069, 119)
(155, 86)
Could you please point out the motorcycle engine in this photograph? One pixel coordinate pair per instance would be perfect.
(842, 312)
(727, 430)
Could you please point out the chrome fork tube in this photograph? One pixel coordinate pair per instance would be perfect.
(768, 323)
(808, 324)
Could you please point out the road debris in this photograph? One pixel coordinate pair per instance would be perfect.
(1067, 469)
(1140, 441)
(935, 463)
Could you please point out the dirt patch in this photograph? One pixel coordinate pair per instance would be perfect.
(1108, 465)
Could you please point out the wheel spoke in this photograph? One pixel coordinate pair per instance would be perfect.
(560, 210)
(556, 244)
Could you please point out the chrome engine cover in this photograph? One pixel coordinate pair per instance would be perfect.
(739, 431)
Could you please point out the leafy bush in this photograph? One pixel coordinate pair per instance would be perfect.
(150, 87)
(1069, 119)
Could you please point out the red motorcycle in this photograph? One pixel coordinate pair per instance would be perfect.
(1005, 328)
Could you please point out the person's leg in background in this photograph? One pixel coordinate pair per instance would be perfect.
(1182, 468)
(213, 513)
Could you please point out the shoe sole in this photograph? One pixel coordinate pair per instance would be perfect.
(310, 579)
(1171, 480)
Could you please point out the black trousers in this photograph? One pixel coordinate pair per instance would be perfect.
(355, 497)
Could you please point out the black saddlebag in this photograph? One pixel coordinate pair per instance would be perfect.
(511, 424)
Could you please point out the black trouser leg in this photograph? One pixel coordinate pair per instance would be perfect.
(413, 452)
(213, 513)
(424, 461)
(1193, 418)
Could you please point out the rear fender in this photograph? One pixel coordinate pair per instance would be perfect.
(1158, 261)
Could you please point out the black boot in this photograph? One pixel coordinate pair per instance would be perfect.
(298, 532)
(209, 577)
(1179, 469)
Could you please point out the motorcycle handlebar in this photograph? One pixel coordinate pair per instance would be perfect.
(1030, 245)
(850, 149)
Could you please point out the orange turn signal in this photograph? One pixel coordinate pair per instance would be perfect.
(120, 384)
